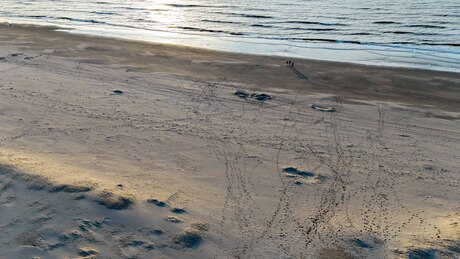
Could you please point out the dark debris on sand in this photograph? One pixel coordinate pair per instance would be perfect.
(117, 92)
(178, 210)
(259, 97)
(295, 171)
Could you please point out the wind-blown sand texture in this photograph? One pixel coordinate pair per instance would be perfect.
(116, 149)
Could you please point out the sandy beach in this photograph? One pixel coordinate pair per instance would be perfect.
(124, 149)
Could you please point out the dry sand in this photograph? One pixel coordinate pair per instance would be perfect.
(344, 161)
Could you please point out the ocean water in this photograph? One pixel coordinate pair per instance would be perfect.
(407, 33)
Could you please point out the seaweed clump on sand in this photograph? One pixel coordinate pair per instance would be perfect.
(71, 188)
(113, 201)
(191, 237)
(87, 252)
(157, 202)
(259, 97)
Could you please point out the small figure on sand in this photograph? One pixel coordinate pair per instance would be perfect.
(290, 63)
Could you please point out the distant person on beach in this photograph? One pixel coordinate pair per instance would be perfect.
(290, 63)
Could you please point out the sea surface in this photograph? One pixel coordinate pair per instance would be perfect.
(406, 33)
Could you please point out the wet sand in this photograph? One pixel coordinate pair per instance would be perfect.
(339, 160)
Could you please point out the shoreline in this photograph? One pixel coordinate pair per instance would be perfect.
(381, 55)
(77, 33)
